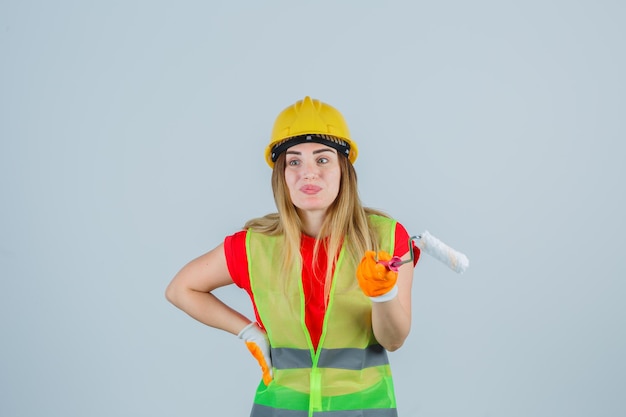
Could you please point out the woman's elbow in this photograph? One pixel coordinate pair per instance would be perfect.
(171, 293)
(393, 341)
(392, 347)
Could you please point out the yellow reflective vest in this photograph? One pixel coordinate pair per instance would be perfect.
(349, 374)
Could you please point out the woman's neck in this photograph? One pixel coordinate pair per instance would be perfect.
(312, 222)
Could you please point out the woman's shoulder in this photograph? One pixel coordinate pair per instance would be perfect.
(379, 218)
(267, 225)
(234, 243)
(238, 235)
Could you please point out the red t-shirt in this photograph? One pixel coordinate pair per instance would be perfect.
(237, 261)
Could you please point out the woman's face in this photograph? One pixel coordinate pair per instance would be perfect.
(312, 174)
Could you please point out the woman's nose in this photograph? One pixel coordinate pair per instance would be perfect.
(311, 170)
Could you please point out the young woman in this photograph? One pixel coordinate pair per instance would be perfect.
(324, 274)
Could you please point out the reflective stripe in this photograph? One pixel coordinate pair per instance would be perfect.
(352, 358)
(374, 412)
(347, 358)
(264, 411)
(288, 358)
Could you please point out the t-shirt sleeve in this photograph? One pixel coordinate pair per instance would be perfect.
(401, 244)
(236, 259)
(237, 263)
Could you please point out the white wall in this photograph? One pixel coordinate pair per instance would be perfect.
(131, 141)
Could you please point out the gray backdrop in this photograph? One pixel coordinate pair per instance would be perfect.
(132, 137)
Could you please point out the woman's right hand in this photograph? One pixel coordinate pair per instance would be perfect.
(258, 344)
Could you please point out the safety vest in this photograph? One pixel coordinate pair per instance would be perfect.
(349, 374)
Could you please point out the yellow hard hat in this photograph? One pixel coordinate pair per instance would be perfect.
(310, 120)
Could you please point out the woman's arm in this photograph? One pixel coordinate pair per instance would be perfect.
(391, 320)
(191, 291)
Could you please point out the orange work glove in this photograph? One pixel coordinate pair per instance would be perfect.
(258, 344)
(376, 279)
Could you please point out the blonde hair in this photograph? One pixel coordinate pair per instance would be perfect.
(346, 222)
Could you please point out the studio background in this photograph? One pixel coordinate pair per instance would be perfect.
(131, 141)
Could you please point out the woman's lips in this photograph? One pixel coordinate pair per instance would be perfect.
(310, 189)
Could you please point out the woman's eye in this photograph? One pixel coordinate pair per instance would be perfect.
(293, 162)
(322, 161)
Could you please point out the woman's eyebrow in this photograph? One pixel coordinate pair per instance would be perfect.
(324, 150)
(314, 152)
